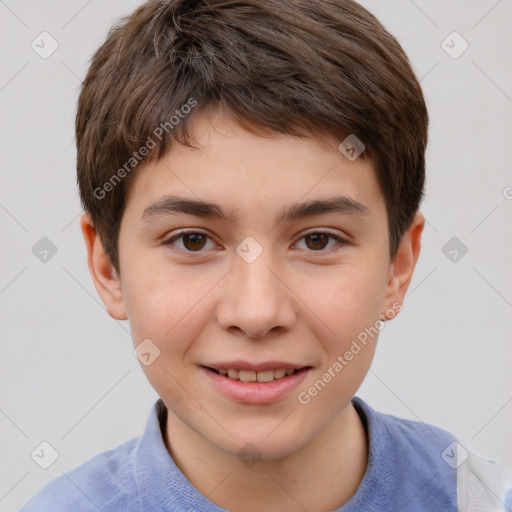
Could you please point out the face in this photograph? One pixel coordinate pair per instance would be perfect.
(256, 253)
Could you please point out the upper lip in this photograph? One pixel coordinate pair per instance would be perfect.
(255, 367)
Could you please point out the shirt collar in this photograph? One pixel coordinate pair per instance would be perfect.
(165, 487)
(160, 481)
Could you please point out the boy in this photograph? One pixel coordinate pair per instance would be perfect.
(251, 173)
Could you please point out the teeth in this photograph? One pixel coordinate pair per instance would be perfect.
(233, 374)
(250, 376)
(247, 376)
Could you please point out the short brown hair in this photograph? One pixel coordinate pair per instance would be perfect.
(295, 67)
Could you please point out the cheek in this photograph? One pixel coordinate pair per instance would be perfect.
(347, 305)
(163, 307)
(166, 304)
(344, 300)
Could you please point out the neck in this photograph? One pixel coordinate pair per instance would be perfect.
(320, 476)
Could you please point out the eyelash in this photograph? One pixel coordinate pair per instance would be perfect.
(341, 242)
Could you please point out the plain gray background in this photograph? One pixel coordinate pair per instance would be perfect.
(68, 374)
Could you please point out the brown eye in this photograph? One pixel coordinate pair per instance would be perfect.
(320, 241)
(192, 241)
(316, 241)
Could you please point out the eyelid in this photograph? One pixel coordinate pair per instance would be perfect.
(326, 231)
(187, 231)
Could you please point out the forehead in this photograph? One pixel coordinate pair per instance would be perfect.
(253, 173)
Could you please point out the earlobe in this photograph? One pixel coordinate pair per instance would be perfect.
(402, 268)
(104, 276)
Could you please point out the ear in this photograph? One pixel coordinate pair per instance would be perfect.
(401, 269)
(104, 276)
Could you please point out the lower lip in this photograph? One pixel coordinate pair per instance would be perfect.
(256, 392)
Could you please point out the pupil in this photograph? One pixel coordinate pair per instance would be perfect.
(197, 241)
(319, 241)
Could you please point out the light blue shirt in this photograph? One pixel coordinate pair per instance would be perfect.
(412, 467)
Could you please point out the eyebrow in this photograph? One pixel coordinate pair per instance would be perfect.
(174, 205)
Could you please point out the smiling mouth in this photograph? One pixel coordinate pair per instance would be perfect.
(252, 376)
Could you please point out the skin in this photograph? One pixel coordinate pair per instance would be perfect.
(298, 301)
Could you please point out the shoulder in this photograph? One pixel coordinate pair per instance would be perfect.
(406, 470)
(422, 443)
(431, 468)
(105, 480)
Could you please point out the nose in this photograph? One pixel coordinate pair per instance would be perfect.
(256, 300)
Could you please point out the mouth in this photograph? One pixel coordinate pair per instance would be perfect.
(249, 383)
(256, 376)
